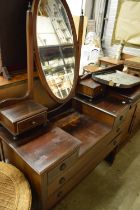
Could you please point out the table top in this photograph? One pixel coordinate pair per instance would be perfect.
(42, 151)
(111, 60)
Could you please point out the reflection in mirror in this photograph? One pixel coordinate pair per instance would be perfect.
(56, 49)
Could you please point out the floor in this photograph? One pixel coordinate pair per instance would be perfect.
(115, 187)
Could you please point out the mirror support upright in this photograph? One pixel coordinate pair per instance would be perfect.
(29, 40)
(80, 35)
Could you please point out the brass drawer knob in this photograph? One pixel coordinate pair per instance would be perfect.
(33, 123)
(62, 180)
(63, 167)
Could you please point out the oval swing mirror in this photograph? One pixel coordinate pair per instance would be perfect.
(55, 48)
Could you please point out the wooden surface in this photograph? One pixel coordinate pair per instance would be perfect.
(133, 62)
(15, 78)
(55, 160)
(44, 151)
(90, 88)
(91, 68)
(23, 116)
(108, 104)
(95, 124)
(110, 61)
(131, 94)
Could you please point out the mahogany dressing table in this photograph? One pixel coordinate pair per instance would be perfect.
(83, 129)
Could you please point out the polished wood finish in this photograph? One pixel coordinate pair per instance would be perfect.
(136, 119)
(91, 68)
(17, 78)
(56, 156)
(42, 158)
(90, 88)
(23, 116)
(108, 61)
(84, 170)
(94, 128)
(19, 114)
(29, 40)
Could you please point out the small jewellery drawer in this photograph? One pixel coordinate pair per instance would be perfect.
(62, 167)
(31, 122)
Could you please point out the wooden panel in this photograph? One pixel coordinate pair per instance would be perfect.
(31, 122)
(22, 110)
(45, 151)
(60, 193)
(90, 88)
(82, 162)
(125, 127)
(132, 94)
(93, 111)
(108, 61)
(62, 167)
(16, 118)
(136, 120)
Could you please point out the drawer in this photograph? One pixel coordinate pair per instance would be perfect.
(31, 122)
(84, 169)
(113, 143)
(57, 183)
(120, 119)
(83, 160)
(62, 167)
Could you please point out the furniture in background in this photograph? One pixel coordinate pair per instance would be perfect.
(133, 65)
(108, 61)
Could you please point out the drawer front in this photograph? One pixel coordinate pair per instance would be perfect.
(31, 122)
(62, 167)
(113, 143)
(84, 169)
(60, 181)
(120, 120)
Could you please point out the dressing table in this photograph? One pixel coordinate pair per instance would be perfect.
(83, 129)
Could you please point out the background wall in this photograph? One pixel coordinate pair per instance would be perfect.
(13, 33)
(108, 49)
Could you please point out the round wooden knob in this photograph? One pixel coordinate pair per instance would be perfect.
(59, 194)
(62, 180)
(63, 166)
(114, 142)
(121, 117)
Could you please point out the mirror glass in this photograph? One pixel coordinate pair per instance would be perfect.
(55, 46)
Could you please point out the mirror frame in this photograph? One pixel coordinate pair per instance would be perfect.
(37, 56)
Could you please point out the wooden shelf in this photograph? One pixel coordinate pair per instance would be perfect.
(15, 78)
